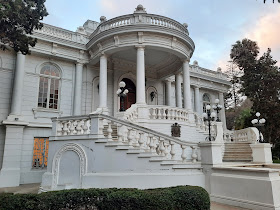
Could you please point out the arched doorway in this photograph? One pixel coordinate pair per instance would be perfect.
(131, 95)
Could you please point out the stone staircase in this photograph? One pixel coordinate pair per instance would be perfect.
(237, 151)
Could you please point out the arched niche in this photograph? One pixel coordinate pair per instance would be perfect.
(70, 150)
(152, 96)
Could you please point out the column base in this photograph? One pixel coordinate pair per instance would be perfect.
(9, 177)
(101, 110)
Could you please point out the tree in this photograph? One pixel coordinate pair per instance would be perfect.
(234, 97)
(260, 83)
(18, 18)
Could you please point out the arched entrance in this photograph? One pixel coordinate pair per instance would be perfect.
(131, 95)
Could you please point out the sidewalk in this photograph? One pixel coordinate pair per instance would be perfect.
(33, 188)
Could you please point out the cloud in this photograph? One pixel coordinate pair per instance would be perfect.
(267, 32)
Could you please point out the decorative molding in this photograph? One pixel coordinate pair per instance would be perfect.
(54, 48)
(140, 37)
(57, 157)
(173, 42)
(117, 40)
(99, 46)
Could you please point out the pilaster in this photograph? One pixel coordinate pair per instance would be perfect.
(77, 109)
(10, 172)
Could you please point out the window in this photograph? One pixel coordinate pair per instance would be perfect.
(206, 101)
(49, 87)
(40, 152)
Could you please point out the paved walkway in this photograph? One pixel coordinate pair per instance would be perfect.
(33, 188)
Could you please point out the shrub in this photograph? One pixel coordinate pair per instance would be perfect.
(181, 197)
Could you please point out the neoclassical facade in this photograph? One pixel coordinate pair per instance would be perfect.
(78, 73)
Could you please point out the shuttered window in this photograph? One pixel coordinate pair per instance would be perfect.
(40, 152)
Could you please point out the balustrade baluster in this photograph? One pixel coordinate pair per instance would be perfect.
(85, 127)
(71, 127)
(161, 146)
(120, 133)
(166, 145)
(153, 113)
(141, 140)
(150, 145)
(125, 134)
(194, 154)
(79, 127)
(172, 150)
(184, 155)
(130, 137)
(65, 128)
(163, 113)
(169, 114)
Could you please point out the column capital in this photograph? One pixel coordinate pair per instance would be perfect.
(79, 63)
(103, 54)
(185, 60)
(168, 80)
(140, 47)
(196, 86)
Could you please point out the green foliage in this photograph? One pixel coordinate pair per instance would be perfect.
(181, 197)
(242, 120)
(260, 83)
(18, 18)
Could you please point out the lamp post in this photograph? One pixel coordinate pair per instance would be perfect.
(208, 116)
(217, 107)
(121, 92)
(258, 123)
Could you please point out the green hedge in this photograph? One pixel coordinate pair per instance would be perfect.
(181, 197)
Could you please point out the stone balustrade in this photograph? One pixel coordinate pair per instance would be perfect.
(133, 136)
(249, 135)
(168, 113)
(131, 114)
(207, 72)
(62, 34)
(72, 126)
(146, 19)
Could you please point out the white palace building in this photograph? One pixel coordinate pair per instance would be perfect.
(60, 118)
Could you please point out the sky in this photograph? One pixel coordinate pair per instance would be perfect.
(214, 25)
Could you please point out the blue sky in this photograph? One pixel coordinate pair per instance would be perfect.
(214, 25)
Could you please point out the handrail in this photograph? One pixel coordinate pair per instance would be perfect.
(83, 120)
(146, 130)
(134, 136)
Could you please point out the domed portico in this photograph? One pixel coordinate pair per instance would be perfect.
(153, 46)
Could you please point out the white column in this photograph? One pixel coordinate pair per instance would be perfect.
(178, 88)
(77, 110)
(140, 76)
(187, 85)
(18, 85)
(196, 100)
(223, 114)
(103, 82)
(168, 92)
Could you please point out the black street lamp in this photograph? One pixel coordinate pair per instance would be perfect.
(258, 123)
(217, 107)
(208, 116)
(121, 92)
